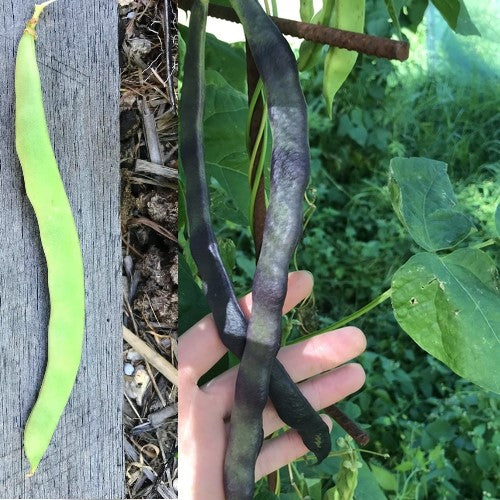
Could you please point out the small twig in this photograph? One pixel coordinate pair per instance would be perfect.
(151, 356)
(153, 225)
(148, 167)
(155, 420)
(168, 18)
(151, 132)
(359, 42)
(155, 385)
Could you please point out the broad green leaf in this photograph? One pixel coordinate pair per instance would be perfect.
(393, 11)
(386, 479)
(456, 15)
(450, 306)
(224, 129)
(313, 486)
(227, 250)
(224, 3)
(367, 485)
(192, 303)
(416, 11)
(225, 58)
(497, 220)
(229, 61)
(423, 199)
(225, 148)
(441, 430)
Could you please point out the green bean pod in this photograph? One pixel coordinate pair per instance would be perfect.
(310, 52)
(61, 247)
(306, 10)
(350, 16)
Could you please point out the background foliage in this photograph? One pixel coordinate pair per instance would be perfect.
(440, 433)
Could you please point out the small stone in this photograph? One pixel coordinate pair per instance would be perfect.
(133, 356)
(128, 369)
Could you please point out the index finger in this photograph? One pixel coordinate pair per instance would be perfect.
(200, 347)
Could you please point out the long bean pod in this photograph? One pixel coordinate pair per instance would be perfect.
(61, 246)
(349, 15)
(282, 230)
(291, 405)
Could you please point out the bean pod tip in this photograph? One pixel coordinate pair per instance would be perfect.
(31, 24)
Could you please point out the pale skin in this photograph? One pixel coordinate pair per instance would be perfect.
(318, 365)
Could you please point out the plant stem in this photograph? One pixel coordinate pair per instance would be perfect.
(31, 24)
(275, 8)
(376, 453)
(486, 243)
(344, 321)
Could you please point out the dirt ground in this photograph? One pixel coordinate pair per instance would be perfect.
(148, 121)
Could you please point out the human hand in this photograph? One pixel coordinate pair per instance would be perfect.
(204, 411)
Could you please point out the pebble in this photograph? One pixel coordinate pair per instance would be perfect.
(128, 369)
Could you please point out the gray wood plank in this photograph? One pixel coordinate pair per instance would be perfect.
(78, 61)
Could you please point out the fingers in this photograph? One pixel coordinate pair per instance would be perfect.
(200, 347)
(302, 361)
(323, 352)
(300, 285)
(321, 391)
(279, 451)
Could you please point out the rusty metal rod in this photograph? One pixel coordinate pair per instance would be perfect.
(359, 42)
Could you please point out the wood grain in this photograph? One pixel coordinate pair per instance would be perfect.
(78, 61)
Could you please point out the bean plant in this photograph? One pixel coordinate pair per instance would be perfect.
(445, 297)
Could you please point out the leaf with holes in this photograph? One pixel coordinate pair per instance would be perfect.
(423, 199)
(450, 306)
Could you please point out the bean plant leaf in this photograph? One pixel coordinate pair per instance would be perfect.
(227, 250)
(415, 13)
(229, 61)
(368, 486)
(497, 220)
(450, 306)
(225, 147)
(385, 478)
(224, 129)
(224, 3)
(423, 198)
(456, 15)
(192, 303)
(393, 11)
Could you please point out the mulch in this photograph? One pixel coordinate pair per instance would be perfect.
(148, 126)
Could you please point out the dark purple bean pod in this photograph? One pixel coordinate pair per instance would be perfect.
(291, 405)
(282, 230)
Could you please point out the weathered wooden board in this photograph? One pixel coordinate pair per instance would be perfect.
(78, 60)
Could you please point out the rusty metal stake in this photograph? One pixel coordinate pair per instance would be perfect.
(359, 42)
